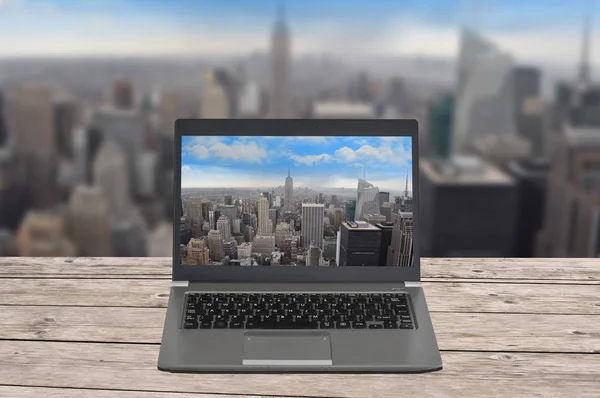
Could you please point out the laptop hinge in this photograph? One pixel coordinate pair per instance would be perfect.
(180, 283)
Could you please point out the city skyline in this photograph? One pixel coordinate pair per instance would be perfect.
(313, 162)
(185, 27)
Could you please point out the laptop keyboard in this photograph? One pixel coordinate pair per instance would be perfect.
(297, 311)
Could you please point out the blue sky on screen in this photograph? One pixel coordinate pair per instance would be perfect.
(170, 27)
(315, 162)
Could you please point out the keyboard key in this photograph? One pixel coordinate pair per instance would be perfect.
(375, 326)
(359, 325)
(385, 317)
(287, 325)
(390, 325)
(406, 326)
(326, 325)
(206, 325)
(190, 325)
(191, 318)
(220, 325)
(236, 325)
(342, 325)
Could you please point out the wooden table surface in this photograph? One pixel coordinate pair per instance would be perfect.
(91, 327)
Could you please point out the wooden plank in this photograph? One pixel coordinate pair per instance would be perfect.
(133, 367)
(529, 269)
(22, 392)
(449, 297)
(460, 331)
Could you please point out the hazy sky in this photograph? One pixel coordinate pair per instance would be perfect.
(538, 30)
(315, 162)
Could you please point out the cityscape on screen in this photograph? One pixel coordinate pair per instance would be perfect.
(296, 201)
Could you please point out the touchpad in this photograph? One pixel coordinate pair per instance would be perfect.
(287, 348)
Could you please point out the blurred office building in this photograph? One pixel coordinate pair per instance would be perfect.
(30, 121)
(501, 149)
(484, 103)
(214, 102)
(160, 241)
(14, 198)
(467, 208)
(126, 128)
(439, 135)
(7, 243)
(281, 69)
(67, 116)
(170, 109)
(531, 177)
(44, 234)
(331, 109)
(250, 101)
(530, 112)
(571, 226)
(128, 227)
(89, 222)
(3, 123)
(123, 94)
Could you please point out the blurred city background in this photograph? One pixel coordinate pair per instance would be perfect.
(504, 92)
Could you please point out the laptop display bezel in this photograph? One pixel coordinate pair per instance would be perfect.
(301, 127)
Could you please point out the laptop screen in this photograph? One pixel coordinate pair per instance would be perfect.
(282, 201)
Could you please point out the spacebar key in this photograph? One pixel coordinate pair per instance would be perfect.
(286, 325)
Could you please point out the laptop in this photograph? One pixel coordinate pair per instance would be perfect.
(295, 249)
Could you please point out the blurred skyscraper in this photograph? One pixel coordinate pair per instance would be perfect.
(529, 109)
(439, 136)
(123, 94)
(31, 123)
(281, 63)
(3, 125)
(249, 102)
(170, 109)
(89, 222)
(214, 103)
(532, 178)
(484, 93)
(43, 234)
(110, 174)
(126, 128)
(7, 243)
(160, 241)
(467, 207)
(67, 116)
(571, 226)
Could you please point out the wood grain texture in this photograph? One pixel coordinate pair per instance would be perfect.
(133, 367)
(526, 269)
(448, 297)
(46, 392)
(83, 327)
(455, 331)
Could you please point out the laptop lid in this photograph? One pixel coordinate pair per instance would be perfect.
(312, 200)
